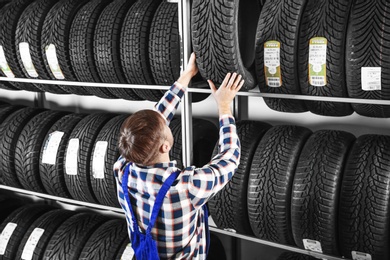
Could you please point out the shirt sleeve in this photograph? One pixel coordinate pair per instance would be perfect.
(169, 103)
(205, 182)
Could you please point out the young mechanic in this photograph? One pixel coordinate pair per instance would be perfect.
(144, 144)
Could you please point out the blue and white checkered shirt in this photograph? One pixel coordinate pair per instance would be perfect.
(179, 229)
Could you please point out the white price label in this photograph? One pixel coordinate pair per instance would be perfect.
(128, 254)
(272, 58)
(312, 245)
(72, 154)
(317, 61)
(99, 159)
(371, 78)
(360, 256)
(6, 235)
(4, 64)
(54, 65)
(25, 55)
(272, 64)
(28, 250)
(51, 146)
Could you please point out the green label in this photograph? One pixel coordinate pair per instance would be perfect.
(317, 61)
(272, 64)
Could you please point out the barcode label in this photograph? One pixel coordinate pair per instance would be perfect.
(273, 82)
(317, 61)
(360, 256)
(371, 78)
(312, 245)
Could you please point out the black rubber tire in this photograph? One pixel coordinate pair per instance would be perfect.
(8, 205)
(368, 46)
(106, 242)
(229, 207)
(23, 217)
(10, 130)
(217, 250)
(295, 256)
(104, 188)
(81, 45)
(315, 192)
(29, 29)
(328, 19)
(79, 186)
(176, 152)
(280, 21)
(28, 147)
(270, 182)
(52, 176)
(10, 17)
(49, 222)
(134, 50)
(56, 30)
(107, 47)
(122, 250)
(70, 238)
(364, 198)
(223, 38)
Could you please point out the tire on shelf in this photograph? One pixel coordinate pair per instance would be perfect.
(81, 46)
(295, 256)
(28, 147)
(71, 236)
(104, 154)
(8, 205)
(223, 37)
(134, 42)
(229, 208)
(217, 250)
(114, 233)
(10, 17)
(368, 49)
(276, 16)
(17, 225)
(125, 252)
(270, 182)
(106, 46)
(51, 166)
(28, 33)
(40, 232)
(10, 130)
(316, 187)
(78, 156)
(364, 198)
(329, 20)
(55, 43)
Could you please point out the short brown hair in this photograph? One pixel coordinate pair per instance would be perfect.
(140, 136)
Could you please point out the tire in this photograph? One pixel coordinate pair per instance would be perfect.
(102, 180)
(134, 44)
(10, 16)
(23, 217)
(316, 187)
(276, 16)
(48, 222)
(328, 19)
(125, 251)
(107, 47)
(53, 175)
(270, 182)
(106, 242)
(28, 147)
(81, 46)
(217, 250)
(364, 198)
(223, 37)
(8, 205)
(70, 238)
(56, 31)
(29, 30)
(229, 207)
(295, 256)
(10, 130)
(86, 131)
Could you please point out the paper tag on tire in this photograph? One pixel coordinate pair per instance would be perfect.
(128, 254)
(360, 256)
(371, 78)
(312, 245)
(28, 250)
(54, 65)
(51, 146)
(6, 235)
(272, 64)
(317, 61)
(99, 159)
(72, 154)
(25, 55)
(4, 64)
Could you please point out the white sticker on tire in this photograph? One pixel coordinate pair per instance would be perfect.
(54, 65)
(51, 146)
(272, 64)
(99, 159)
(4, 64)
(312, 245)
(24, 49)
(72, 154)
(371, 78)
(28, 250)
(128, 254)
(317, 61)
(6, 235)
(360, 256)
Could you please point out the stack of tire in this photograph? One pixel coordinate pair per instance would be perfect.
(72, 155)
(294, 187)
(331, 48)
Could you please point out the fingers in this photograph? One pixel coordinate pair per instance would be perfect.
(212, 86)
(226, 80)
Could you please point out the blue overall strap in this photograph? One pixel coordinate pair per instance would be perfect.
(125, 189)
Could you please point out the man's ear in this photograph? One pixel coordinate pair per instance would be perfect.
(165, 147)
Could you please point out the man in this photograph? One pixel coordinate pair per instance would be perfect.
(145, 142)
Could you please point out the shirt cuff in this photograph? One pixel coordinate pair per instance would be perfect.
(178, 89)
(225, 120)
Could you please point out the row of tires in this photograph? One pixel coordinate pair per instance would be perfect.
(293, 185)
(72, 155)
(333, 48)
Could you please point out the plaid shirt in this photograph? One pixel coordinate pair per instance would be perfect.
(179, 229)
